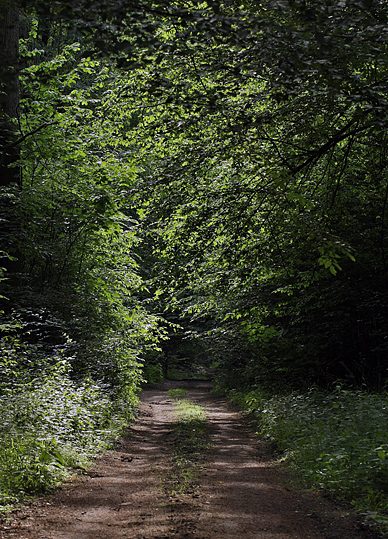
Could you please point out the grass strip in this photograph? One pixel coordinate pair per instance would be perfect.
(190, 440)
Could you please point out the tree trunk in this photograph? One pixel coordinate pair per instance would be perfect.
(9, 96)
(10, 177)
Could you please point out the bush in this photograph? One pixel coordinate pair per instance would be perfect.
(50, 426)
(153, 373)
(337, 441)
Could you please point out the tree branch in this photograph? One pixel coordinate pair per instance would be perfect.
(18, 141)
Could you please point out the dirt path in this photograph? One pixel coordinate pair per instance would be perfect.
(241, 492)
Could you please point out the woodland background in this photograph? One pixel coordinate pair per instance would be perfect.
(195, 184)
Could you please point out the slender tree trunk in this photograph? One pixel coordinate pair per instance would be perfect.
(10, 178)
(9, 85)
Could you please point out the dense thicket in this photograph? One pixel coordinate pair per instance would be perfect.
(212, 172)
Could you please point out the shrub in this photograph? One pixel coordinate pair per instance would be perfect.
(153, 373)
(338, 441)
(50, 426)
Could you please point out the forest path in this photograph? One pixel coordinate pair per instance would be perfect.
(240, 493)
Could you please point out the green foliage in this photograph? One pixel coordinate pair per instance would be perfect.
(50, 426)
(76, 327)
(263, 186)
(338, 440)
(197, 372)
(235, 180)
(79, 294)
(153, 373)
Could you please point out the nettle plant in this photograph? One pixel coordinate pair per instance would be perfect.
(49, 427)
(338, 440)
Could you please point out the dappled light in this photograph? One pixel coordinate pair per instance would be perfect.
(193, 191)
(232, 489)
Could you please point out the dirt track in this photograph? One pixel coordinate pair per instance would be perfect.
(241, 492)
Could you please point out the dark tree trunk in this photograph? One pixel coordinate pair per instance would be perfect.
(9, 97)
(10, 177)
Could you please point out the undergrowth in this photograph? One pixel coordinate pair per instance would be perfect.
(49, 428)
(337, 441)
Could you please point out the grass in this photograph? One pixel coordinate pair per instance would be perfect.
(190, 440)
(190, 430)
(177, 393)
(337, 441)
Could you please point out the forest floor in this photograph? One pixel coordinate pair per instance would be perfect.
(240, 489)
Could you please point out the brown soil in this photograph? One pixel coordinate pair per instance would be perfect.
(240, 492)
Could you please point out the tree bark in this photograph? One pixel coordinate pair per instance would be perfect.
(9, 91)
(10, 176)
